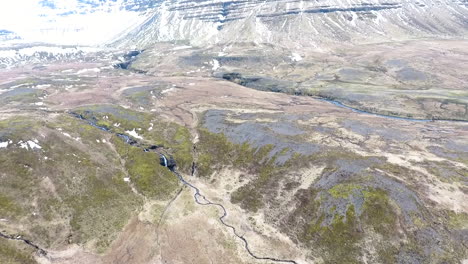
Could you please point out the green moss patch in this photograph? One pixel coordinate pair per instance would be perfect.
(339, 239)
(378, 212)
(344, 190)
(8, 208)
(337, 232)
(457, 220)
(150, 178)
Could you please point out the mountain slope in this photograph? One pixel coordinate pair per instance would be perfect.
(308, 23)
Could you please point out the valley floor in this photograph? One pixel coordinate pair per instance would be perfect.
(301, 179)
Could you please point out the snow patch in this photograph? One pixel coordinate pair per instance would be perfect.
(30, 144)
(4, 144)
(133, 133)
(295, 57)
(182, 48)
(19, 85)
(41, 86)
(215, 64)
(167, 90)
(89, 70)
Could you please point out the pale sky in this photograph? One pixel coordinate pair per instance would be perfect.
(35, 22)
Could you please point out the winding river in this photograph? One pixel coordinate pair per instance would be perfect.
(341, 105)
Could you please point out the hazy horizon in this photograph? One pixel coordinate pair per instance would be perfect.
(78, 22)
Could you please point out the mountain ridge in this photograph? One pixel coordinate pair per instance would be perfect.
(300, 23)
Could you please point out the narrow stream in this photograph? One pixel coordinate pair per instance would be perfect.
(202, 200)
(198, 196)
(39, 250)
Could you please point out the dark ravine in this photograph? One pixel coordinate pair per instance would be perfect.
(127, 61)
(198, 196)
(38, 249)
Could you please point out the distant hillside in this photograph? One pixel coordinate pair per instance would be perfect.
(8, 35)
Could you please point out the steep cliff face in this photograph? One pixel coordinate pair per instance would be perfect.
(306, 23)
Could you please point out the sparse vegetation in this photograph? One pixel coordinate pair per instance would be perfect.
(11, 254)
(90, 202)
(339, 239)
(150, 178)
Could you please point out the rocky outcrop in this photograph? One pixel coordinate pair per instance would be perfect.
(300, 23)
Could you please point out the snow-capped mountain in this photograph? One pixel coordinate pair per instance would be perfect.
(302, 23)
(139, 23)
(285, 22)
